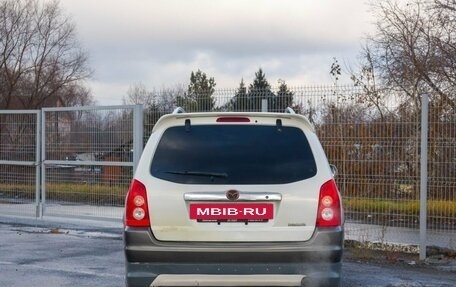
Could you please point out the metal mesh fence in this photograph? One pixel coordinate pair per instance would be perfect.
(18, 190)
(18, 136)
(374, 141)
(18, 155)
(89, 135)
(88, 157)
(441, 213)
(375, 144)
(87, 192)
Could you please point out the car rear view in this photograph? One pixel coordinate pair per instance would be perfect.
(233, 199)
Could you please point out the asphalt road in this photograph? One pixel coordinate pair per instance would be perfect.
(54, 257)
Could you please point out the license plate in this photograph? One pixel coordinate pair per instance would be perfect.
(231, 211)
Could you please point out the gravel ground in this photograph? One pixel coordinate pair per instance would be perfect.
(48, 255)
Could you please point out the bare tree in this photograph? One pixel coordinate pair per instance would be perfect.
(41, 60)
(138, 94)
(413, 50)
(156, 102)
(373, 94)
(163, 99)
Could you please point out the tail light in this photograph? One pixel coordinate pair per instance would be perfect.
(136, 208)
(329, 207)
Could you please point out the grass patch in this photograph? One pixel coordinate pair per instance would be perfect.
(98, 193)
(105, 194)
(406, 207)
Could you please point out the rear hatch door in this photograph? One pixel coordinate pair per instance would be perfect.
(233, 181)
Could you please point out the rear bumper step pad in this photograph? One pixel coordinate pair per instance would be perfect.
(227, 280)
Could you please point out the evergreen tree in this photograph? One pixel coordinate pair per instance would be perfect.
(259, 90)
(284, 98)
(240, 102)
(199, 94)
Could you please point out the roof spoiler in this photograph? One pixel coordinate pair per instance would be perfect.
(180, 110)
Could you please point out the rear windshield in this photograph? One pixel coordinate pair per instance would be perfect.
(233, 154)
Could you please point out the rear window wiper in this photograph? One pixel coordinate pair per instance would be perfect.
(198, 173)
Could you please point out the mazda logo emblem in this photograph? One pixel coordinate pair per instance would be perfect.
(232, 195)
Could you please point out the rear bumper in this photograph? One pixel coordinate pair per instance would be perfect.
(317, 260)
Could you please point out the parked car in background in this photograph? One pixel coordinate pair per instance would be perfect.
(233, 199)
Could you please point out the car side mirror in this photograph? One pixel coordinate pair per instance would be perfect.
(333, 169)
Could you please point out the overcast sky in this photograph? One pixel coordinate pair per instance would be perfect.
(159, 42)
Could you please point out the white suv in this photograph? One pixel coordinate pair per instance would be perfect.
(233, 199)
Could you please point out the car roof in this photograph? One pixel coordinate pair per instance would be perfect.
(166, 120)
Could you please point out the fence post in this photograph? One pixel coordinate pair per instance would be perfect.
(43, 165)
(423, 174)
(264, 105)
(38, 212)
(138, 134)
